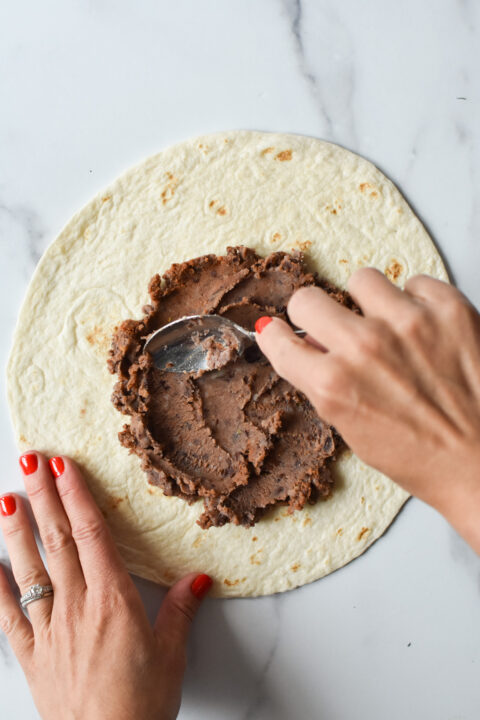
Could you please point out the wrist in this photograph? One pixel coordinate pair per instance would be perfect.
(457, 497)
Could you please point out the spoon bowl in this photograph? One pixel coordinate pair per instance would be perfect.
(198, 343)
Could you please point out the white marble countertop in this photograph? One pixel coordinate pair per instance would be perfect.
(89, 88)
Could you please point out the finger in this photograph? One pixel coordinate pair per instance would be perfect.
(27, 565)
(292, 358)
(375, 294)
(53, 524)
(323, 318)
(13, 622)
(179, 607)
(428, 289)
(99, 558)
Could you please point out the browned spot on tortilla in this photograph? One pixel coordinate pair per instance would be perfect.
(115, 502)
(343, 261)
(230, 583)
(276, 236)
(150, 491)
(295, 567)
(197, 542)
(254, 560)
(373, 193)
(23, 439)
(377, 487)
(362, 499)
(394, 270)
(276, 519)
(284, 155)
(340, 531)
(226, 140)
(211, 203)
(267, 150)
(304, 245)
(333, 212)
(221, 211)
(83, 411)
(307, 520)
(106, 198)
(200, 146)
(362, 532)
(96, 336)
(255, 538)
(364, 186)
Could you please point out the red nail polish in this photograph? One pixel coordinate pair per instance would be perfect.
(57, 466)
(262, 323)
(8, 504)
(28, 463)
(201, 585)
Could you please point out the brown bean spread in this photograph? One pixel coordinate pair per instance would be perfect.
(239, 437)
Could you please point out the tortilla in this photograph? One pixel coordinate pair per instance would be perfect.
(264, 190)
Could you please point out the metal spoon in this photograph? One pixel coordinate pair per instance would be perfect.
(181, 346)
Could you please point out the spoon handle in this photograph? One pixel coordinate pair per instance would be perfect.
(300, 333)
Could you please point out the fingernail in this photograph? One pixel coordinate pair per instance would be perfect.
(8, 504)
(201, 585)
(28, 463)
(262, 323)
(57, 466)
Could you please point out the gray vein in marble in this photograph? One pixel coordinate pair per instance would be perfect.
(333, 92)
(466, 13)
(31, 229)
(295, 11)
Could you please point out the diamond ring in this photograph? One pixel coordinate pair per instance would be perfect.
(35, 592)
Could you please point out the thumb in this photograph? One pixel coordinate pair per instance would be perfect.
(180, 606)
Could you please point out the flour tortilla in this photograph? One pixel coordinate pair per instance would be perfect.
(269, 192)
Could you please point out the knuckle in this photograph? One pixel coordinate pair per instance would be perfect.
(55, 539)
(182, 609)
(32, 576)
(418, 283)
(459, 312)
(111, 601)
(11, 625)
(88, 532)
(34, 490)
(282, 354)
(370, 338)
(328, 386)
(11, 530)
(8, 623)
(414, 323)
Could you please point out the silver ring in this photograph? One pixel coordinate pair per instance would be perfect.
(35, 592)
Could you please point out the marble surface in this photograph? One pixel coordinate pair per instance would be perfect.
(89, 87)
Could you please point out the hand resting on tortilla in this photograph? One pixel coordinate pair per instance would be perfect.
(401, 383)
(88, 650)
